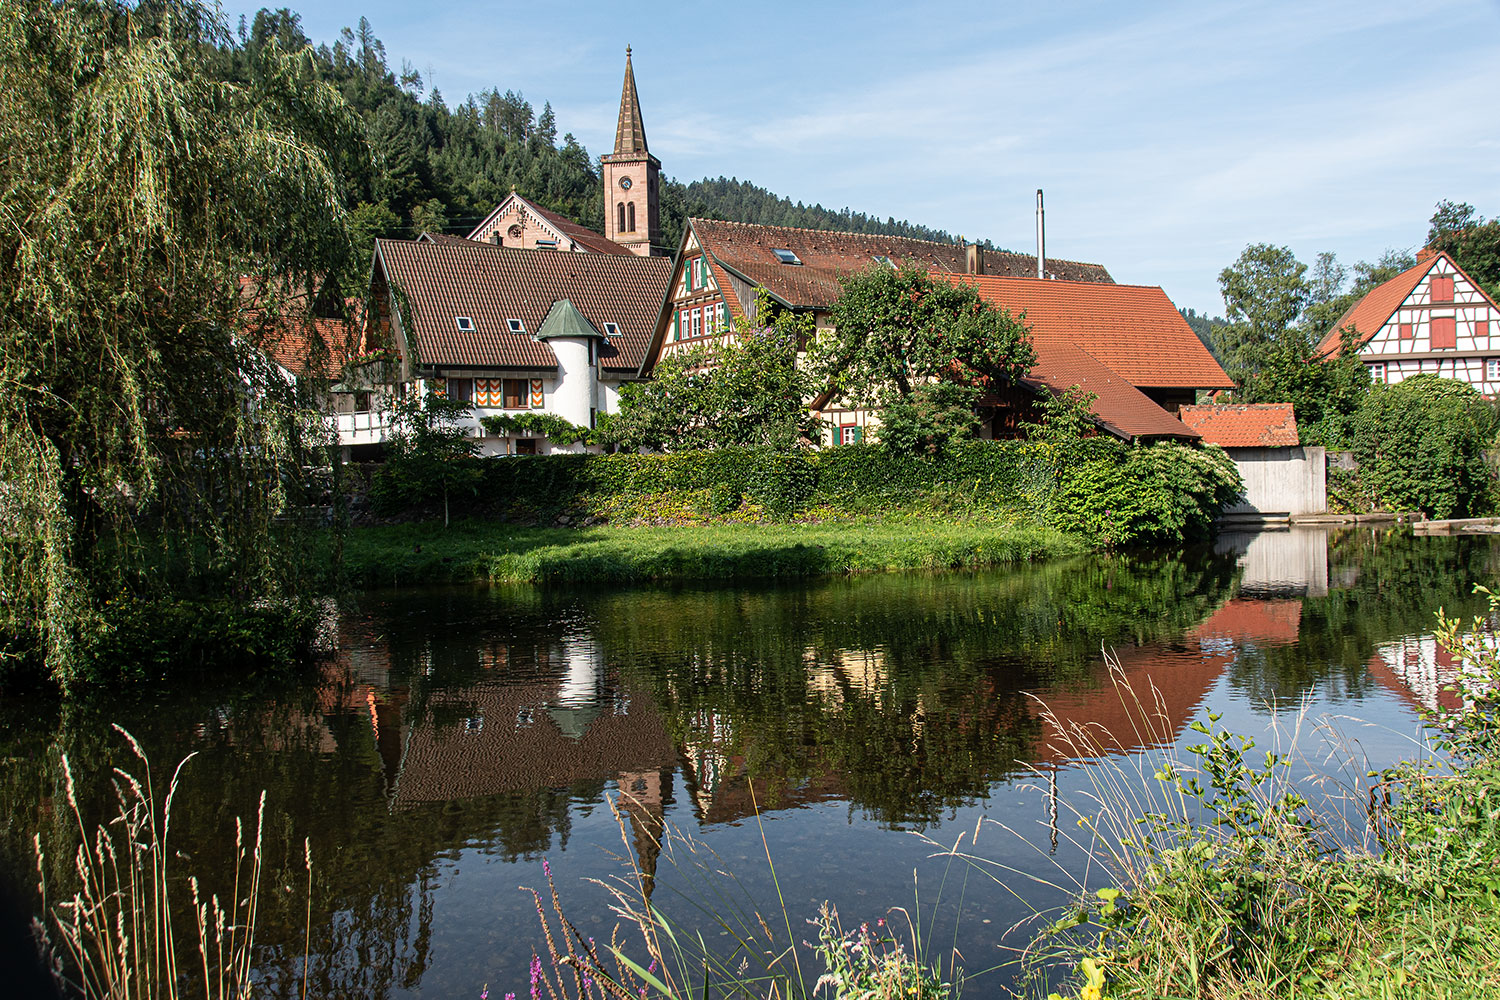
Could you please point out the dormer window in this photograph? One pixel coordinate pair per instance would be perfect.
(465, 323)
(515, 326)
(786, 257)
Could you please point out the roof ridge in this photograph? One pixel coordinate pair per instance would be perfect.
(1060, 281)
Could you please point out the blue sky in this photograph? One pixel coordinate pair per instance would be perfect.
(1167, 136)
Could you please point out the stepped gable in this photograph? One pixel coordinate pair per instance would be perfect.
(493, 284)
(1244, 425)
(1119, 407)
(746, 250)
(1132, 329)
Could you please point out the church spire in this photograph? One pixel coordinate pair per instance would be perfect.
(630, 133)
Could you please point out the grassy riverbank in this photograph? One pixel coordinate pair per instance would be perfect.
(481, 550)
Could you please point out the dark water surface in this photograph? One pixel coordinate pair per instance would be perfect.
(463, 735)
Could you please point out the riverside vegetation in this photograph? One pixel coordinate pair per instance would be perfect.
(1236, 881)
(735, 512)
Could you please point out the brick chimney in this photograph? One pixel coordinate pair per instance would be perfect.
(975, 259)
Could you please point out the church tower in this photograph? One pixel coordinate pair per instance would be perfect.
(632, 212)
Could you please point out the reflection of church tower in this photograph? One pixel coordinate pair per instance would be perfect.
(644, 797)
(632, 216)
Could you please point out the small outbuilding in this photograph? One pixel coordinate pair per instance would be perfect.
(1283, 478)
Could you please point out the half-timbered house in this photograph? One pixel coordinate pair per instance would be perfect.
(1432, 319)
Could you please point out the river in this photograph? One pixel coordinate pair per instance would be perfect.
(844, 726)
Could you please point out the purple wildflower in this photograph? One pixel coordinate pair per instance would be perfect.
(484, 994)
(536, 977)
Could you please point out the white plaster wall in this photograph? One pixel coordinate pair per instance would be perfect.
(1281, 480)
(576, 388)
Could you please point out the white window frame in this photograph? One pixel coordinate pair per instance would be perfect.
(515, 326)
(1492, 369)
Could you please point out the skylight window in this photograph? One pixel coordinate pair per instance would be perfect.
(611, 330)
(879, 259)
(516, 326)
(465, 323)
(786, 257)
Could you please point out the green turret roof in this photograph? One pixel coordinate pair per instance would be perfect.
(564, 320)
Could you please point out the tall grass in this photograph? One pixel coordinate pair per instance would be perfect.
(662, 958)
(119, 931)
(1218, 872)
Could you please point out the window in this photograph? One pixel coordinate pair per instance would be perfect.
(1404, 331)
(517, 394)
(516, 326)
(611, 330)
(546, 243)
(1492, 370)
(786, 257)
(709, 327)
(1444, 334)
(465, 323)
(461, 389)
(362, 402)
(526, 446)
(621, 220)
(1377, 372)
(850, 434)
(723, 321)
(1442, 289)
(630, 217)
(697, 317)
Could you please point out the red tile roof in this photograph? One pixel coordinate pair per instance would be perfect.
(1370, 313)
(285, 329)
(1133, 329)
(1244, 425)
(746, 250)
(1120, 407)
(492, 284)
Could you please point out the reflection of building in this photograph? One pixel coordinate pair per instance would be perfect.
(1418, 671)
(1161, 686)
(1280, 563)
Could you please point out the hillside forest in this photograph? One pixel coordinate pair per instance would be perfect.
(441, 168)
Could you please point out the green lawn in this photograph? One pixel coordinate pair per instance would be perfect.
(477, 550)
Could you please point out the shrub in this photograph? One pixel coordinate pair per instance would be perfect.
(1420, 445)
(1154, 493)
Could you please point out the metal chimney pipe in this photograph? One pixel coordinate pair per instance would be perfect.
(1041, 238)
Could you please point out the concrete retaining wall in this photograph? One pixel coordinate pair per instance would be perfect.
(1280, 482)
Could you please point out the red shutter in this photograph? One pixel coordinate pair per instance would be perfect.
(1443, 333)
(1442, 289)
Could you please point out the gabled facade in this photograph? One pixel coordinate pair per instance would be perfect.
(518, 223)
(1429, 319)
(515, 331)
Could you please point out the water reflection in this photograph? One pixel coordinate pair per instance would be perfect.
(462, 734)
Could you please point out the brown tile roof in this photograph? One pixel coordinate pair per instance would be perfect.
(630, 131)
(447, 239)
(746, 250)
(1244, 425)
(493, 284)
(1122, 408)
(1133, 329)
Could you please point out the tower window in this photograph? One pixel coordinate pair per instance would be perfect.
(786, 257)
(630, 216)
(621, 227)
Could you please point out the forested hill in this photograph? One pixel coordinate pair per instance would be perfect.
(432, 167)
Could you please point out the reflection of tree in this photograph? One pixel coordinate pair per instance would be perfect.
(761, 682)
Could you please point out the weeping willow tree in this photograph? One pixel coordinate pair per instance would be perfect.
(149, 450)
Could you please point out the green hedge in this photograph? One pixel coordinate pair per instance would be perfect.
(1097, 487)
